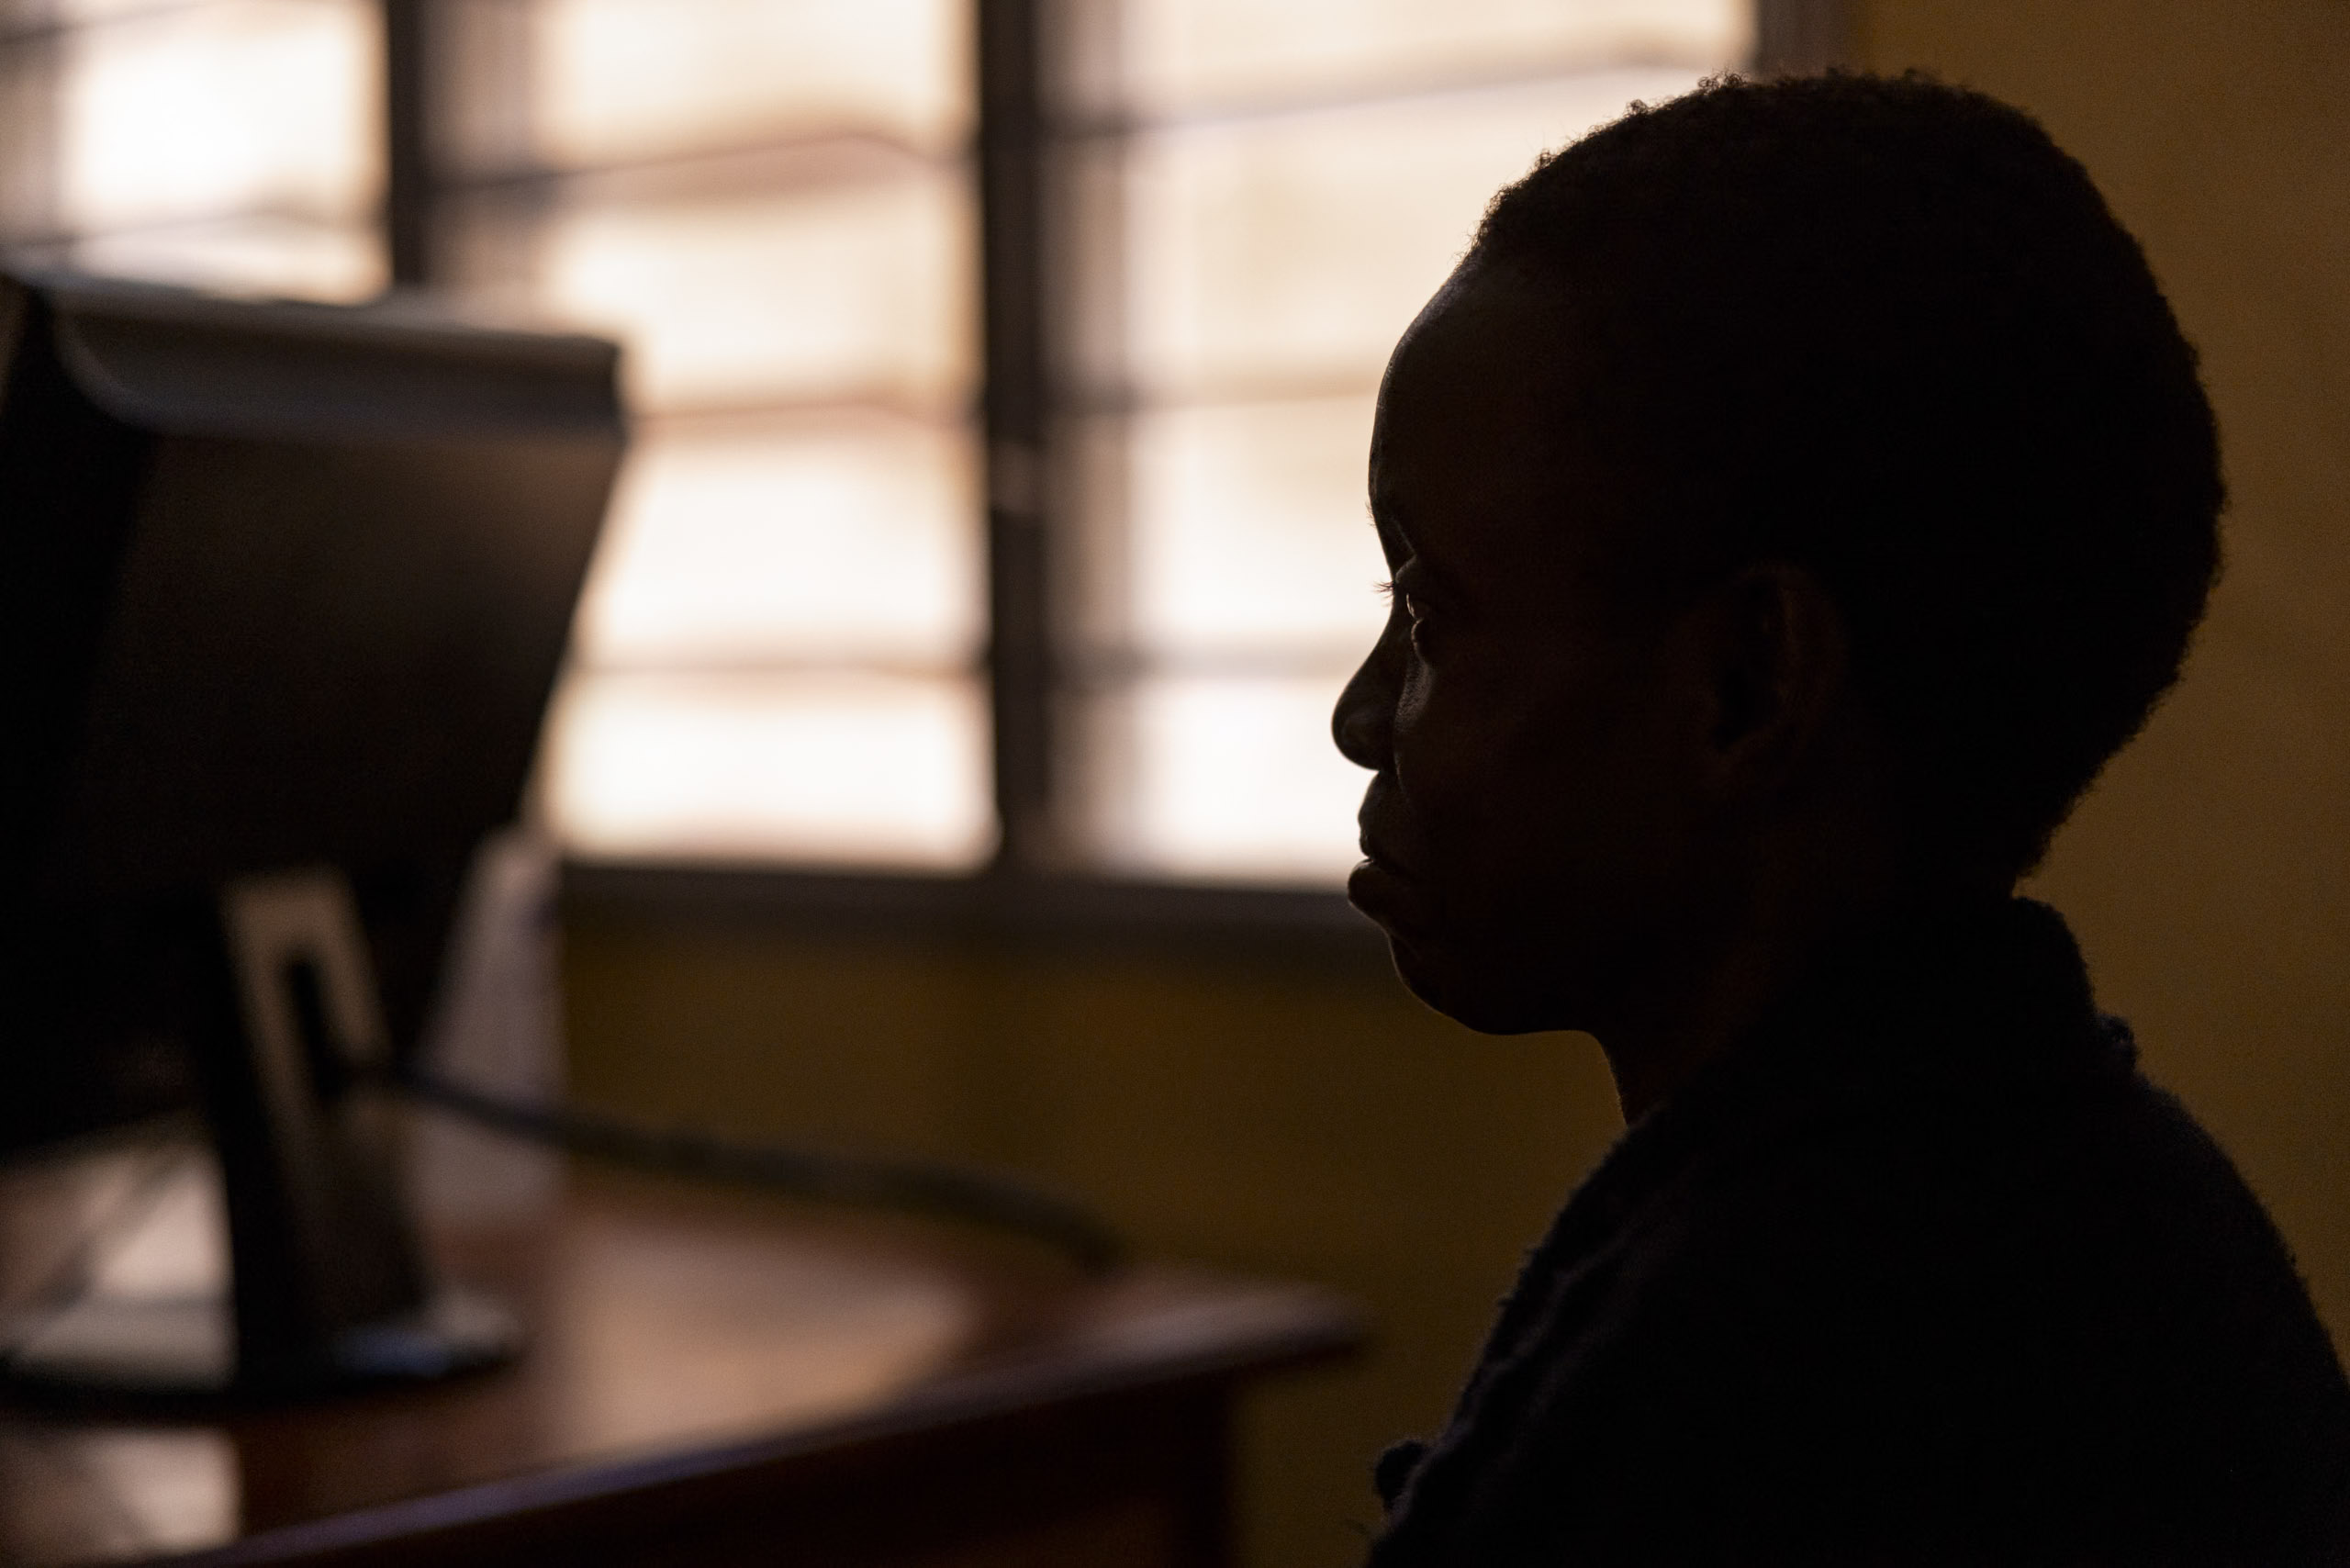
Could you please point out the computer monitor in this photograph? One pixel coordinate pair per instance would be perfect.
(284, 590)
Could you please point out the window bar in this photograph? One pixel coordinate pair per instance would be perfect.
(407, 148)
(1014, 413)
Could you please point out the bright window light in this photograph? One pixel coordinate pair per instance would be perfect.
(237, 105)
(831, 768)
(1248, 534)
(232, 145)
(765, 201)
(861, 290)
(73, 13)
(1297, 248)
(818, 540)
(1174, 54)
(617, 80)
(263, 254)
(1227, 779)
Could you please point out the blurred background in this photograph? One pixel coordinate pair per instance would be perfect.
(838, 867)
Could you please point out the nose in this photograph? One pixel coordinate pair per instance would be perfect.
(1363, 721)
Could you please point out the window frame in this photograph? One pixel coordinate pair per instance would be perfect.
(1031, 888)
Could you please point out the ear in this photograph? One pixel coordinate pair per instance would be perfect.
(1771, 668)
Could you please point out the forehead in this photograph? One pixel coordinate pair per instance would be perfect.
(1474, 457)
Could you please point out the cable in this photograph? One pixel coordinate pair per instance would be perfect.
(921, 1187)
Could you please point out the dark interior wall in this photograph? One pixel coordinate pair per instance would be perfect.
(1283, 1107)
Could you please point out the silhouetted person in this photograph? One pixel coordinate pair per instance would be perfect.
(1795, 497)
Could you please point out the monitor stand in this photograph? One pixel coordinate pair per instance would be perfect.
(330, 1290)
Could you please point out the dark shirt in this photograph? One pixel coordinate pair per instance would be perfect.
(1923, 1271)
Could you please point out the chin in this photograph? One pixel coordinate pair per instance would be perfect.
(1491, 972)
(1472, 994)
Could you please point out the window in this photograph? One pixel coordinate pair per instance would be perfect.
(1263, 196)
(231, 144)
(771, 204)
(997, 484)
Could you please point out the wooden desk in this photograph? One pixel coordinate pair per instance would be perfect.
(716, 1379)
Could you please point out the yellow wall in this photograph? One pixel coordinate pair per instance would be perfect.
(1304, 1117)
(2208, 876)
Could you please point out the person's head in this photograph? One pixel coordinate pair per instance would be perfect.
(1816, 457)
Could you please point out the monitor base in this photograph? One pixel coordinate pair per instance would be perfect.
(179, 1351)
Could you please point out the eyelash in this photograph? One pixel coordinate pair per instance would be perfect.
(1393, 595)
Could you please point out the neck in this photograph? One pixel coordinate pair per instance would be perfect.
(1670, 1028)
(1716, 976)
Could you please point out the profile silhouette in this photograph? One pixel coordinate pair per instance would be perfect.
(1798, 493)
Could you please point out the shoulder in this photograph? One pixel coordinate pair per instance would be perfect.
(2020, 1316)
(2060, 1233)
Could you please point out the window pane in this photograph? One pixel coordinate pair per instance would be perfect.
(1172, 54)
(255, 255)
(1249, 535)
(860, 290)
(1224, 778)
(838, 768)
(631, 79)
(65, 13)
(1267, 252)
(216, 108)
(765, 201)
(816, 539)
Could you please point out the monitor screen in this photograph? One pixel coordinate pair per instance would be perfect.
(280, 586)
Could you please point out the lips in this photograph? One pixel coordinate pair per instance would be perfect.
(1381, 885)
(1378, 886)
(1375, 800)
(1375, 853)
